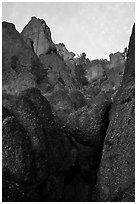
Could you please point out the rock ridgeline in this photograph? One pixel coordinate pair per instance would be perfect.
(67, 122)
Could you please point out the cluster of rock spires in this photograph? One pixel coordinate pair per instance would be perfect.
(68, 122)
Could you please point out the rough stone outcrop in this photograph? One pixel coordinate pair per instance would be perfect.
(86, 129)
(16, 151)
(58, 114)
(88, 125)
(38, 36)
(117, 59)
(94, 70)
(63, 52)
(80, 74)
(116, 176)
(58, 73)
(108, 74)
(39, 150)
(21, 68)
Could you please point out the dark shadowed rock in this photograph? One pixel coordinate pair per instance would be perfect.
(16, 151)
(116, 177)
(5, 113)
(76, 191)
(57, 119)
(86, 128)
(38, 36)
(33, 112)
(26, 114)
(52, 154)
(14, 191)
(21, 68)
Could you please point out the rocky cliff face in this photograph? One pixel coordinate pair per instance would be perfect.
(116, 176)
(65, 138)
(21, 68)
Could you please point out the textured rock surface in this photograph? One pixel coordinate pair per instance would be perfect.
(39, 36)
(63, 52)
(77, 99)
(94, 70)
(56, 115)
(21, 68)
(80, 74)
(58, 73)
(116, 59)
(116, 175)
(60, 102)
(16, 152)
(88, 125)
(49, 147)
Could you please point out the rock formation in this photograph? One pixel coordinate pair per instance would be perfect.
(94, 70)
(116, 176)
(57, 71)
(116, 59)
(34, 148)
(67, 122)
(63, 52)
(38, 36)
(87, 123)
(21, 68)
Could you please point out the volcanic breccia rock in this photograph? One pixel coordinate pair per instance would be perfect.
(38, 36)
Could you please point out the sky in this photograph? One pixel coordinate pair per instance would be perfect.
(96, 28)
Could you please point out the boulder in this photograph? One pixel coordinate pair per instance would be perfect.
(116, 176)
(88, 125)
(38, 36)
(26, 114)
(51, 154)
